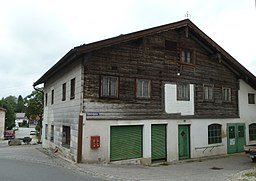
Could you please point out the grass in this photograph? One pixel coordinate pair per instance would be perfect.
(250, 173)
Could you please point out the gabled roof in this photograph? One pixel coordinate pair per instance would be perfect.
(198, 35)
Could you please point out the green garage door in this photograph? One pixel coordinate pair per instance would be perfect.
(125, 142)
(158, 142)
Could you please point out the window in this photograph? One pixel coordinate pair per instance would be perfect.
(251, 98)
(46, 99)
(183, 92)
(252, 132)
(66, 136)
(64, 92)
(214, 134)
(109, 86)
(186, 56)
(208, 92)
(72, 89)
(52, 101)
(143, 88)
(46, 131)
(52, 133)
(226, 94)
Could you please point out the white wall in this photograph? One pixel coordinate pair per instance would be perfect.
(2, 123)
(63, 112)
(199, 146)
(172, 105)
(247, 111)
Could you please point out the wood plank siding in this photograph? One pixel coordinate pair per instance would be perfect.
(157, 58)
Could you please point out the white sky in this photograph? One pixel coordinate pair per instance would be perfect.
(35, 34)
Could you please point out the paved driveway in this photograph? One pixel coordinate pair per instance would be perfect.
(218, 169)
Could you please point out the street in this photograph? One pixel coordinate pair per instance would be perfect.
(32, 162)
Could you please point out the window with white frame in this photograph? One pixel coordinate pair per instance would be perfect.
(66, 136)
(226, 94)
(208, 92)
(214, 134)
(183, 92)
(109, 86)
(251, 98)
(72, 88)
(143, 88)
(52, 98)
(52, 133)
(186, 56)
(64, 92)
(46, 131)
(252, 132)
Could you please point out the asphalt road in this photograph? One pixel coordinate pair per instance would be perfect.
(32, 163)
(22, 170)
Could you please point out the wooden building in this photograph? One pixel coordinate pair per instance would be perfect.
(166, 93)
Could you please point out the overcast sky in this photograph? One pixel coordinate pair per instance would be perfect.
(35, 34)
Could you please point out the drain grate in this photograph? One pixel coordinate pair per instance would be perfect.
(216, 168)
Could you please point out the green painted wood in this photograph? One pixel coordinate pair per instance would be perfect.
(125, 142)
(184, 142)
(235, 137)
(158, 142)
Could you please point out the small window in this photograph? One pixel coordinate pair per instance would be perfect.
(214, 134)
(186, 56)
(109, 86)
(208, 92)
(72, 88)
(52, 101)
(64, 92)
(46, 99)
(46, 131)
(252, 132)
(143, 88)
(66, 136)
(183, 92)
(251, 98)
(52, 133)
(226, 94)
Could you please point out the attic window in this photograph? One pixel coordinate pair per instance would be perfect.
(187, 56)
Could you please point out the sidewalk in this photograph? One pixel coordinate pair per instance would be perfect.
(218, 169)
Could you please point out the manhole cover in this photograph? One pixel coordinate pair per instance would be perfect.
(216, 168)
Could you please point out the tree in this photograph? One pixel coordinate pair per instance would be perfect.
(7, 104)
(20, 105)
(34, 105)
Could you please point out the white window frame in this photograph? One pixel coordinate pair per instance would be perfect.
(109, 86)
(143, 88)
(183, 92)
(226, 94)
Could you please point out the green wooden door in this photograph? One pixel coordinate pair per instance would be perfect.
(158, 142)
(184, 142)
(235, 137)
(125, 142)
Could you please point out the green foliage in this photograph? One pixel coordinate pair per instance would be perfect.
(20, 105)
(8, 104)
(34, 105)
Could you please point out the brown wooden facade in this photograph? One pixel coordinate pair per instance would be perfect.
(157, 58)
(155, 54)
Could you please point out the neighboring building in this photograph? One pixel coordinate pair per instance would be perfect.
(20, 118)
(162, 94)
(2, 122)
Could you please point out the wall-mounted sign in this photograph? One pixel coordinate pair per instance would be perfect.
(92, 114)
